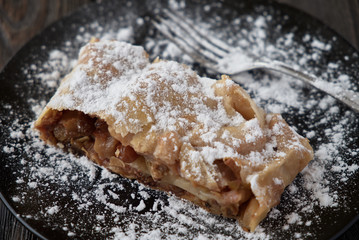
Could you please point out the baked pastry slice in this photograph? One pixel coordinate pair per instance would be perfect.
(160, 123)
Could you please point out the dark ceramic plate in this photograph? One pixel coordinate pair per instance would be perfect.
(59, 196)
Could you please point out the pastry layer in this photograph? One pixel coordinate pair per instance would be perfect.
(160, 123)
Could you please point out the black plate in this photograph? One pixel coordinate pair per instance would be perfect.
(60, 196)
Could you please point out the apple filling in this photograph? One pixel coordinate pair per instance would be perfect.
(79, 133)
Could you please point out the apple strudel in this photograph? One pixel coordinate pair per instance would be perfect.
(160, 123)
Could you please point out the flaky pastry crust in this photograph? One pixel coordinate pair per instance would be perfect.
(160, 123)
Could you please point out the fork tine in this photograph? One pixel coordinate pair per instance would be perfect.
(166, 30)
(218, 47)
(185, 43)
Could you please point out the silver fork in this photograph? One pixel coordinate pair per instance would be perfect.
(211, 53)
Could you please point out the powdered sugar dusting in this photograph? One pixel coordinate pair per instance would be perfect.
(168, 97)
(127, 210)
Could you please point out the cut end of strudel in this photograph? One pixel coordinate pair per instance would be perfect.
(160, 123)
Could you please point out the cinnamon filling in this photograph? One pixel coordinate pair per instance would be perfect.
(81, 133)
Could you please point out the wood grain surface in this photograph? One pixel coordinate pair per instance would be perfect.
(20, 20)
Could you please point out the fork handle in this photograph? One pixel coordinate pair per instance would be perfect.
(348, 97)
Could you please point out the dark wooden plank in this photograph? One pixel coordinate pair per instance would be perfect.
(10, 228)
(20, 20)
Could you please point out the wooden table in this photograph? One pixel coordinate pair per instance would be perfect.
(22, 19)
